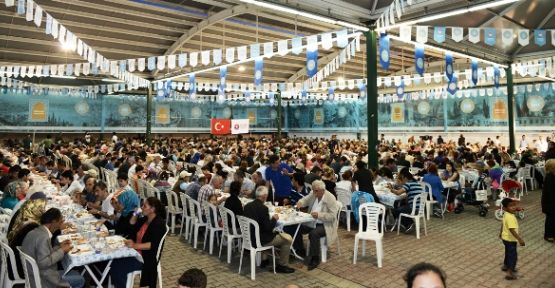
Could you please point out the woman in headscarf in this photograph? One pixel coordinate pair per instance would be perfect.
(15, 192)
(124, 201)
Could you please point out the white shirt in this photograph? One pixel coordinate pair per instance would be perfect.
(106, 205)
(73, 187)
(262, 171)
(523, 144)
(115, 138)
(316, 207)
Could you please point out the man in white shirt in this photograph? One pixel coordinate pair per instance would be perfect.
(523, 143)
(543, 144)
(106, 209)
(68, 184)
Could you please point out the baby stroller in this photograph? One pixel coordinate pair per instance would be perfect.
(476, 196)
(507, 187)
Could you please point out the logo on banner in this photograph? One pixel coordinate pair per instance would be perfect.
(239, 126)
(220, 126)
(162, 114)
(318, 116)
(398, 113)
(499, 110)
(38, 110)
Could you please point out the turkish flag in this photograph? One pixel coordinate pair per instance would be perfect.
(220, 126)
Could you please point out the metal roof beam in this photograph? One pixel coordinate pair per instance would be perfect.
(542, 23)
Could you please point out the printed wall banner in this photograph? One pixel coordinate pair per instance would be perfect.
(535, 103)
(423, 107)
(499, 109)
(162, 114)
(38, 110)
(318, 116)
(251, 115)
(467, 106)
(397, 112)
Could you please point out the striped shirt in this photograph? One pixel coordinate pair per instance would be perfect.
(412, 189)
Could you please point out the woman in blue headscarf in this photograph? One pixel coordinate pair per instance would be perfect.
(125, 201)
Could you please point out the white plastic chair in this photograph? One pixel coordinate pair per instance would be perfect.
(173, 209)
(426, 187)
(526, 174)
(373, 212)
(8, 259)
(414, 170)
(212, 228)
(186, 218)
(245, 224)
(416, 214)
(323, 240)
(197, 222)
(344, 196)
(131, 275)
(31, 275)
(230, 232)
(4, 223)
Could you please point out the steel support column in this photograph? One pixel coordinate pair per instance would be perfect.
(510, 107)
(278, 118)
(372, 97)
(149, 116)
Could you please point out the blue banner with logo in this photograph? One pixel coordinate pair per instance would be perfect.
(311, 63)
(192, 86)
(490, 36)
(258, 69)
(384, 51)
(439, 34)
(223, 76)
(496, 76)
(419, 58)
(452, 87)
(449, 65)
(540, 37)
(474, 67)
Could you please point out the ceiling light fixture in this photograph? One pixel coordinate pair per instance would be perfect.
(446, 51)
(62, 76)
(450, 13)
(313, 16)
(113, 80)
(241, 68)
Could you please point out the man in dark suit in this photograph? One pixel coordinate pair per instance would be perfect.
(257, 211)
(38, 245)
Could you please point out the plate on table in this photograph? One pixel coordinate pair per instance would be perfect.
(115, 241)
(83, 214)
(75, 237)
(82, 249)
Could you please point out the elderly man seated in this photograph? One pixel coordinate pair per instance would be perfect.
(323, 207)
(257, 211)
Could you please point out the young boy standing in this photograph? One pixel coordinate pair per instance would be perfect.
(509, 235)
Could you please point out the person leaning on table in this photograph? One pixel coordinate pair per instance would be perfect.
(323, 208)
(257, 211)
(147, 233)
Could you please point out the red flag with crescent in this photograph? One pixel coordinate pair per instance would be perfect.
(220, 126)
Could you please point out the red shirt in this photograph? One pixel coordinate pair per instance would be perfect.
(141, 234)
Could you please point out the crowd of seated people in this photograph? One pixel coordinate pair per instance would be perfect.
(285, 171)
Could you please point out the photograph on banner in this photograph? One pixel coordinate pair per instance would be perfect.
(397, 112)
(318, 116)
(251, 115)
(38, 110)
(162, 114)
(499, 110)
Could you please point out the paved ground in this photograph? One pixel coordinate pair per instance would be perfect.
(466, 246)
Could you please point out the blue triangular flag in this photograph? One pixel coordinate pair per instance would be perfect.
(439, 34)
(384, 51)
(362, 89)
(400, 90)
(449, 66)
(496, 76)
(452, 86)
(271, 96)
(490, 36)
(192, 85)
(258, 69)
(419, 58)
(540, 37)
(223, 76)
(474, 66)
(331, 92)
(311, 63)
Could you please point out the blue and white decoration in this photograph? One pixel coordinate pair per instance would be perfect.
(331, 93)
(271, 96)
(384, 51)
(362, 90)
(474, 35)
(192, 86)
(523, 37)
(490, 36)
(223, 76)
(452, 86)
(439, 34)
(311, 63)
(449, 66)
(496, 76)
(419, 58)
(474, 68)
(507, 36)
(540, 37)
(258, 69)
(400, 90)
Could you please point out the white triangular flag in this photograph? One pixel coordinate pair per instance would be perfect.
(9, 3)
(217, 56)
(553, 37)
(268, 49)
(77, 69)
(282, 47)
(38, 16)
(230, 55)
(29, 12)
(405, 33)
(62, 34)
(421, 34)
(242, 53)
(171, 61)
(474, 35)
(54, 28)
(80, 47)
(312, 43)
(86, 68)
(327, 41)
(205, 57)
(457, 34)
(507, 36)
(193, 59)
(161, 62)
(523, 37)
(141, 64)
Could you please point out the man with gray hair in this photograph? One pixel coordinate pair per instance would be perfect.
(257, 211)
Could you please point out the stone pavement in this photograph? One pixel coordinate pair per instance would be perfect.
(466, 246)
